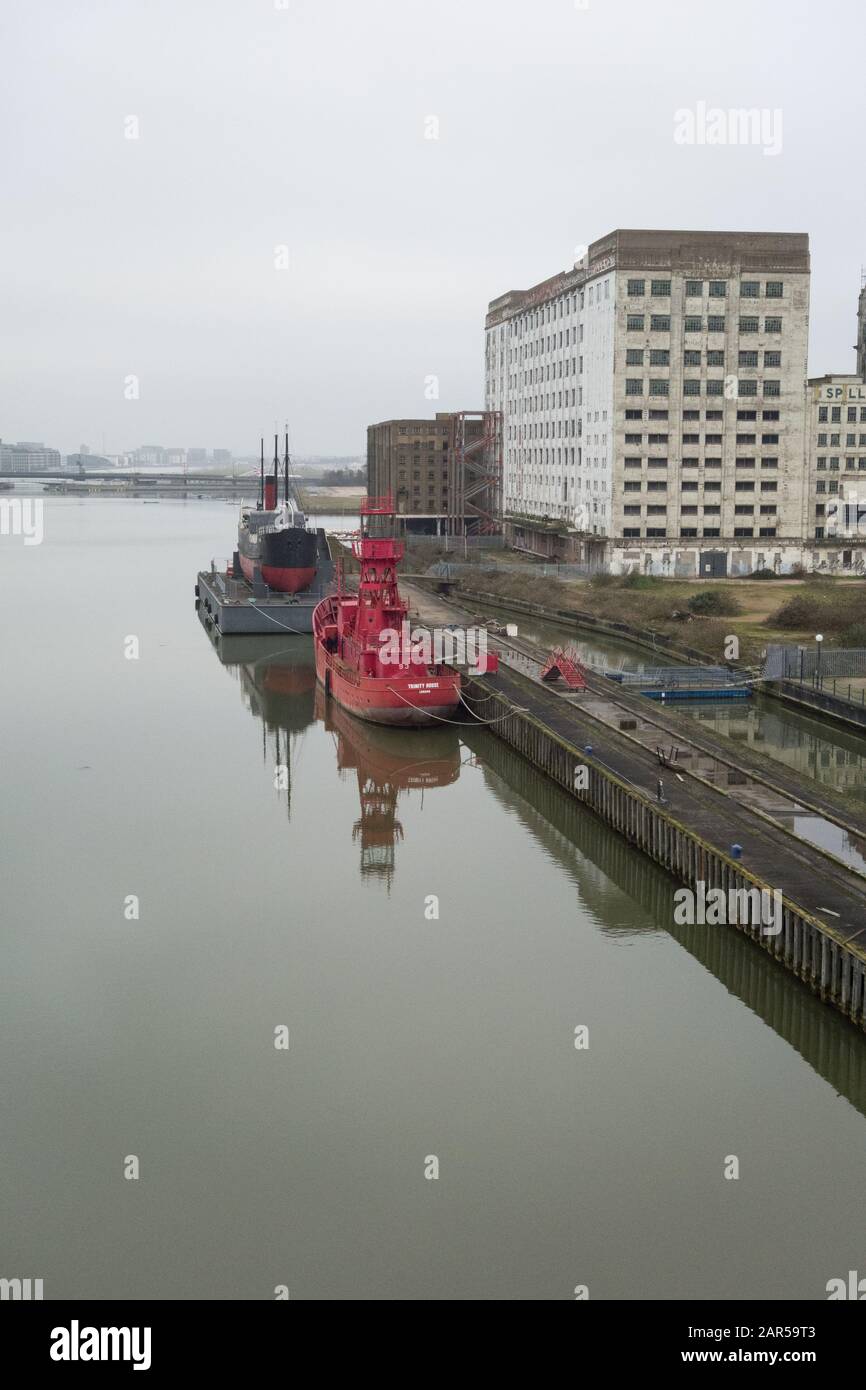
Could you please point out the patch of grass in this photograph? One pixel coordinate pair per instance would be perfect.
(653, 604)
(635, 580)
(821, 608)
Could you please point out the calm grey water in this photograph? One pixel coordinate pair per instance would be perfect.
(304, 906)
(816, 750)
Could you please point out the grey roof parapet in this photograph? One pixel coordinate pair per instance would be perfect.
(713, 252)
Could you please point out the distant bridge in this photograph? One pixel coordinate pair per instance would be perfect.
(154, 479)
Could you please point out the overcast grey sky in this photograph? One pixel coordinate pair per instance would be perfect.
(301, 123)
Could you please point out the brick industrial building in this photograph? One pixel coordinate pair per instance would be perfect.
(444, 474)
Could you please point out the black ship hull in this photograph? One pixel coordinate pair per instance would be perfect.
(286, 559)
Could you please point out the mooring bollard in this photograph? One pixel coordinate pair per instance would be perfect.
(736, 851)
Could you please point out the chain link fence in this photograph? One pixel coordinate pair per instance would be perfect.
(811, 663)
(450, 569)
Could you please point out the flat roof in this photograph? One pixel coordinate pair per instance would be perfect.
(853, 377)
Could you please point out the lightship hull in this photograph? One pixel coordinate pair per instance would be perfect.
(410, 697)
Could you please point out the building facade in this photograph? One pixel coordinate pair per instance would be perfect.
(85, 461)
(412, 460)
(653, 397)
(149, 456)
(836, 414)
(861, 331)
(26, 457)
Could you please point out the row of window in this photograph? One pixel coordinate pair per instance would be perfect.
(693, 357)
(661, 323)
(539, 346)
(749, 289)
(527, 321)
(686, 439)
(692, 532)
(709, 438)
(850, 440)
(421, 430)
(692, 462)
(849, 463)
(632, 414)
(654, 414)
(709, 485)
(714, 509)
(660, 386)
(836, 417)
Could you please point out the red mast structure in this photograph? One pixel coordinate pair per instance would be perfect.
(364, 656)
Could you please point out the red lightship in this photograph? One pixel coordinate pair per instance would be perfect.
(363, 658)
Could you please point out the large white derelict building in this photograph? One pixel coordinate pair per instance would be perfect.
(654, 406)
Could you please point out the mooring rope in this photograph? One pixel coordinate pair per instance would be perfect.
(460, 723)
(299, 632)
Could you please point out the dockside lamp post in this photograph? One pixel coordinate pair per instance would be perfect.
(819, 638)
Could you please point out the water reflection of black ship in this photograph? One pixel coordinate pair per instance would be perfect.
(388, 764)
(277, 677)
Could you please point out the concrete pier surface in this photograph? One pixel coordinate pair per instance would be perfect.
(720, 825)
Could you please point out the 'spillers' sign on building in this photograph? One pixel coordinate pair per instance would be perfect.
(851, 393)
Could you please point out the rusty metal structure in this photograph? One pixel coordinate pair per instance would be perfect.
(475, 473)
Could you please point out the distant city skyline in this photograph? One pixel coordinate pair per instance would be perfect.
(211, 453)
(301, 212)
(31, 457)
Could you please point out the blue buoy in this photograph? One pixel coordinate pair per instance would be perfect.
(737, 851)
(588, 749)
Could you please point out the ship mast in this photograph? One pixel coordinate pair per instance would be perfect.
(379, 554)
(290, 486)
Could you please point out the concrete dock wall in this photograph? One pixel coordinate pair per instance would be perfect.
(811, 701)
(813, 952)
